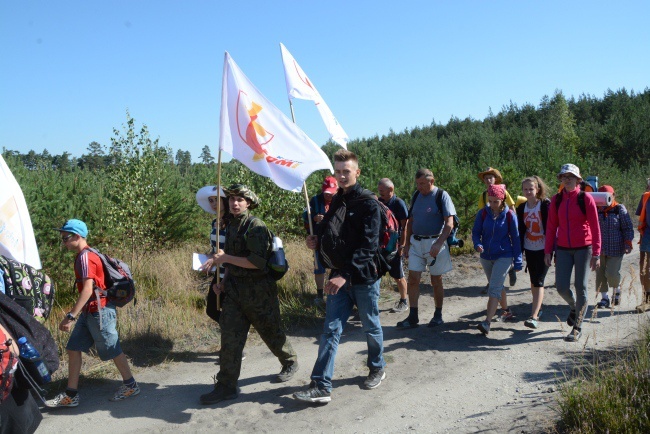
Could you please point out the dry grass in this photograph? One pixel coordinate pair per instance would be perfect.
(168, 321)
(609, 391)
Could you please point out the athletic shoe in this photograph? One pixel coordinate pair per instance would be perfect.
(374, 378)
(125, 391)
(63, 400)
(484, 327)
(603, 304)
(314, 394)
(436, 320)
(571, 319)
(573, 336)
(513, 276)
(531, 323)
(287, 372)
(218, 394)
(506, 315)
(400, 306)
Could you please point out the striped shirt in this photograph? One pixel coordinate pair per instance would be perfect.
(213, 243)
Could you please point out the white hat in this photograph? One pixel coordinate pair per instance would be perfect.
(570, 168)
(204, 194)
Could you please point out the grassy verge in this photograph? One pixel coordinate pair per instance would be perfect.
(609, 394)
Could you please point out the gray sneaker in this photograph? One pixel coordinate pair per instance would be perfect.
(374, 378)
(287, 372)
(574, 335)
(314, 394)
(484, 327)
(400, 306)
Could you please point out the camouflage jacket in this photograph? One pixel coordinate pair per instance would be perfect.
(254, 245)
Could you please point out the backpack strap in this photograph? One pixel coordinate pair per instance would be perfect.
(439, 201)
(416, 193)
(581, 201)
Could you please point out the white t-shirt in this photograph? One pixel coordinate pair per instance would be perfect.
(534, 239)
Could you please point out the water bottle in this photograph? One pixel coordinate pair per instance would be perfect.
(30, 355)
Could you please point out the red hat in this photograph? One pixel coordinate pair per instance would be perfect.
(497, 190)
(606, 189)
(330, 185)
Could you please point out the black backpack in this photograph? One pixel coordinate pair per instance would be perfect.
(27, 286)
(18, 322)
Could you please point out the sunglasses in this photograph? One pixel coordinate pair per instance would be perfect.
(66, 238)
(433, 261)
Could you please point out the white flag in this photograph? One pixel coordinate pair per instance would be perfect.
(16, 233)
(259, 135)
(299, 86)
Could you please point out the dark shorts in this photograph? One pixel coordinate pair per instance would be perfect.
(537, 269)
(396, 268)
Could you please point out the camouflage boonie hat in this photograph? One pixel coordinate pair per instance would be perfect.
(243, 191)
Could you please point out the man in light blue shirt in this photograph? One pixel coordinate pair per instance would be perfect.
(431, 219)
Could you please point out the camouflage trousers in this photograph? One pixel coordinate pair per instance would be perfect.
(250, 301)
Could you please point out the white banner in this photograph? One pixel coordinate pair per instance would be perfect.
(16, 233)
(299, 86)
(259, 135)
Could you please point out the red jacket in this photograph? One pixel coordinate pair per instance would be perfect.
(573, 228)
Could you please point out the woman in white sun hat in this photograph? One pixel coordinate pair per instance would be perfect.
(573, 227)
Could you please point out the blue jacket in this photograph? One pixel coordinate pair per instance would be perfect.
(499, 237)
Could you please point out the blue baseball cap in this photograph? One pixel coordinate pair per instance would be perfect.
(74, 226)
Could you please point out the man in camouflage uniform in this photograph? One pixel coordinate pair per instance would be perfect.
(251, 296)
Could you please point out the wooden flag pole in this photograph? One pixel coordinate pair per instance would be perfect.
(218, 221)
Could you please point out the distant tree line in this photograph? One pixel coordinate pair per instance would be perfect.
(137, 196)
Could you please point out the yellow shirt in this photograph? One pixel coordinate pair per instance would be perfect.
(509, 201)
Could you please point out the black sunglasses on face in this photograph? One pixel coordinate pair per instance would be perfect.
(66, 238)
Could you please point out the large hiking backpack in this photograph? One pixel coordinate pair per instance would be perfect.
(27, 286)
(120, 287)
(452, 240)
(19, 323)
(277, 264)
(8, 364)
(388, 238)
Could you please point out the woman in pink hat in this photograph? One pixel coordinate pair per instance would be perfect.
(496, 237)
(573, 227)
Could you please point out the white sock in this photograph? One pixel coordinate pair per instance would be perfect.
(617, 291)
(605, 296)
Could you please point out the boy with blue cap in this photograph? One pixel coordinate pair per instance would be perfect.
(84, 320)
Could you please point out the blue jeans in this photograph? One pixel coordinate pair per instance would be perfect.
(338, 310)
(87, 332)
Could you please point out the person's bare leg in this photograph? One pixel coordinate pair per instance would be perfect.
(74, 369)
(538, 297)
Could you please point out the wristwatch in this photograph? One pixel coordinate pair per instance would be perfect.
(70, 316)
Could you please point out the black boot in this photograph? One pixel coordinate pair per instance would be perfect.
(220, 393)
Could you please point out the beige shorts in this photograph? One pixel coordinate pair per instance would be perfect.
(419, 257)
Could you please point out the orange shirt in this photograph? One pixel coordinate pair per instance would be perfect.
(87, 265)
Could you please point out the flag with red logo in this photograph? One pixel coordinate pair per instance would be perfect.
(299, 86)
(16, 233)
(258, 134)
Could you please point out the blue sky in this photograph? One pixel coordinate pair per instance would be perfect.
(69, 70)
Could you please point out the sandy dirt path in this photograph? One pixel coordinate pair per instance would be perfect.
(447, 379)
